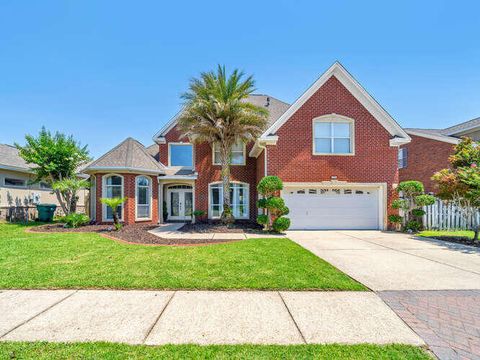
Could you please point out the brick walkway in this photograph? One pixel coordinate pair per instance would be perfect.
(447, 320)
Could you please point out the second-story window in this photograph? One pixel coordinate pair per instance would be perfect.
(180, 155)
(237, 156)
(332, 135)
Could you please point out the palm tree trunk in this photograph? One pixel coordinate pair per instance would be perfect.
(227, 215)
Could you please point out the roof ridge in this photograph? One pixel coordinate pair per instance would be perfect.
(108, 152)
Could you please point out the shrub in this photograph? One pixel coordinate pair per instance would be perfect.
(275, 203)
(198, 213)
(262, 219)
(413, 225)
(418, 212)
(281, 224)
(285, 210)
(75, 220)
(411, 188)
(262, 203)
(269, 185)
(424, 200)
(395, 219)
(400, 204)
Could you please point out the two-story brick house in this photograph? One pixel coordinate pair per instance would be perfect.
(335, 148)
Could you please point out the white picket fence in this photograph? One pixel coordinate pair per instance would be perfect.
(442, 216)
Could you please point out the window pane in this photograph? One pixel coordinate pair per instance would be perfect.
(142, 181)
(215, 196)
(216, 211)
(181, 155)
(322, 129)
(142, 197)
(143, 211)
(14, 182)
(341, 130)
(323, 146)
(341, 146)
(110, 213)
(114, 180)
(237, 158)
(114, 191)
(238, 146)
(216, 157)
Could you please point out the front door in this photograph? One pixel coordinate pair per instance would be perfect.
(179, 204)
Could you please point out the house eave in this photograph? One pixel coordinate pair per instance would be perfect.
(123, 169)
(449, 140)
(398, 141)
(260, 144)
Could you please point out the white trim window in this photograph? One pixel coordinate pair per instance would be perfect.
(333, 135)
(237, 155)
(112, 187)
(402, 158)
(239, 198)
(180, 155)
(143, 195)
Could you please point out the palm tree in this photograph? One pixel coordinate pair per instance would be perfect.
(216, 112)
(114, 203)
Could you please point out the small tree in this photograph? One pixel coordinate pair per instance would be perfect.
(114, 203)
(69, 188)
(273, 206)
(460, 185)
(55, 158)
(411, 203)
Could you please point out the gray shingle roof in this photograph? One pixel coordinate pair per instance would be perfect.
(10, 158)
(452, 130)
(275, 107)
(129, 155)
(438, 134)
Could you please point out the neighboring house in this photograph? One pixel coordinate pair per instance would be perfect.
(16, 189)
(335, 148)
(429, 150)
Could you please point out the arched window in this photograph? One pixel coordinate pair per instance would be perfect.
(112, 187)
(143, 196)
(239, 196)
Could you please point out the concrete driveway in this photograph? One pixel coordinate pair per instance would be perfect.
(393, 261)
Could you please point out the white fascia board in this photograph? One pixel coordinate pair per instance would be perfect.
(160, 135)
(121, 169)
(260, 144)
(450, 140)
(355, 89)
(178, 177)
(396, 141)
(467, 129)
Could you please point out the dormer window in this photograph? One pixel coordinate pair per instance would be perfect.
(333, 135)
(180, 155)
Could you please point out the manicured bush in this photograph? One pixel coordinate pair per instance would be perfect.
(400, 204)
(269, 185)
(418, 212)
(411, 188)
(281, 224)
(424, 200)
(75, 220)
(199, 214)
(262, 219)
(274, 203)
(395, 219)
(262, 203)
(413, 226)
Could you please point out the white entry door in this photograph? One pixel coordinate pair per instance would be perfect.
(333, 208)
(179, 203)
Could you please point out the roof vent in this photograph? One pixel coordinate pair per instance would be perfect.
(267, 103)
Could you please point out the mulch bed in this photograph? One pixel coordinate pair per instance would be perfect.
(137, 234)
(239, 227)
(457, 239)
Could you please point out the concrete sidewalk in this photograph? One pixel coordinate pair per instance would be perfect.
(202, 317)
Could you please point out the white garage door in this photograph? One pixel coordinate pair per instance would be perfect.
(333, 208)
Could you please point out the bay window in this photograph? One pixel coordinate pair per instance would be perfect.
(239, 199)
(112, 187)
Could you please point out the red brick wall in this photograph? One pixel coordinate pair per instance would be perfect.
(260, 166)
(374, 160)
(208, 173)
(129, 205)
(425, 157)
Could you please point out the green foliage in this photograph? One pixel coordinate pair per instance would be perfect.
(262, 203)
(75, 220)
(411, 188)
(284, 210)
(198, 213)
(467, 153)
(262, 219)
(68, 189)
(400, 204)
(281, 224)
(424, 200)
(114, 203)
(413, 225)
(274, 203)
(395, 219)
(216, 112)
(269, 185)
(418, 212)
(54, 158)
(118, 226)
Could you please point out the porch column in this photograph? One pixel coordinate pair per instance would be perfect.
(160, 202)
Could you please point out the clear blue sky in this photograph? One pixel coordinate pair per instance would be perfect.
(106, 70)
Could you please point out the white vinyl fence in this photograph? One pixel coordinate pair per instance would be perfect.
(442, 216)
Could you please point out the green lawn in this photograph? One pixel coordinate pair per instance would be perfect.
(87, 260)
(457, 233)
(41, 350)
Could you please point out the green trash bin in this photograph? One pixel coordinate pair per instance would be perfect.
(45, 212)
